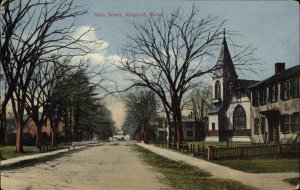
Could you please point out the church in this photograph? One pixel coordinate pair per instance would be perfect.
(230, 112)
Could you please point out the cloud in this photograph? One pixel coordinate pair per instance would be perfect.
(100, 55)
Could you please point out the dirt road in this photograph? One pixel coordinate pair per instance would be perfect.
(102, 167)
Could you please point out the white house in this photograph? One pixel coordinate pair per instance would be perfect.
(276, 106)
(188, 129)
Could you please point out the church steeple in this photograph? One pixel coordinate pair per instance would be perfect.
(225, 63)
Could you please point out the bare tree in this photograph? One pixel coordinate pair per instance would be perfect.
(169, 54)
(42, 92)
(33, 32)
(198, 103)
(141, 108)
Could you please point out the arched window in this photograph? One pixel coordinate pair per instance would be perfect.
(217, 90)
(239, 118)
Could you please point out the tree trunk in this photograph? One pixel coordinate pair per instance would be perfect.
(67, 128)
(168, 123)
(19, 136)
(146, 131)
(38, 135)
(53, 130)
(71, 125)
(140, 133)
(178, 125)
(3, 125)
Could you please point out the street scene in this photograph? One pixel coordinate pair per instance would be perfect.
(149, 95)
(117, 165)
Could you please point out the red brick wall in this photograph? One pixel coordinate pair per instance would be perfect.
(213, 133)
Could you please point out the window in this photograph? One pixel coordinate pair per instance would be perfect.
(255, 98)
(260, 125)
(239, 118)
(263, 124)
(189, 133)
(256, 125)
(263, 96)
(286, 89)
(162, 135)
(273, 91)
(213, 126)
(295, 123)
(296, 88)
(286, 123)
(238, 94)
(217, 90)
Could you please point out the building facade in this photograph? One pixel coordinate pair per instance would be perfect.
(188, 129)
(230, 112)
(276, 106)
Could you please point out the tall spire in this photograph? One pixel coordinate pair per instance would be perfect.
(225, 62)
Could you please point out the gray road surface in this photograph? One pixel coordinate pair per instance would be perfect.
(102, 167)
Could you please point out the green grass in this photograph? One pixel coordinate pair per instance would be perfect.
(9, 151)
(115, 144)
(293, 181)
(263, 165)
(182, 176)
(35, 161)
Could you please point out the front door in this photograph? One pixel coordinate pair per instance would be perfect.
(273, 123)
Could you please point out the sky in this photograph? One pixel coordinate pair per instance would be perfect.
(271, 26)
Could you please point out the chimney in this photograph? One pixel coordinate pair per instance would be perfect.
(279, 67)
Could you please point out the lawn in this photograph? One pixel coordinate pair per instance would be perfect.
(9, 151)
(182, 176)
(268, 165)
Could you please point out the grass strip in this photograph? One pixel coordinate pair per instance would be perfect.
(262, 165)
(32, 162)
(183, 176)
(8, 152)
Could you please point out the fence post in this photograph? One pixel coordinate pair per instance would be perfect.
(280, 149)
(193, 149)
(209, 152)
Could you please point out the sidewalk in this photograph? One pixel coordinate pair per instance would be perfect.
(266, 181)
(23, 159)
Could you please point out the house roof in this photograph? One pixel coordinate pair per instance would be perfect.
(243, 84)
(225, 63)
(215, 108)
(283, 75)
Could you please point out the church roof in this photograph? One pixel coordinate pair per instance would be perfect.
(225, 63)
